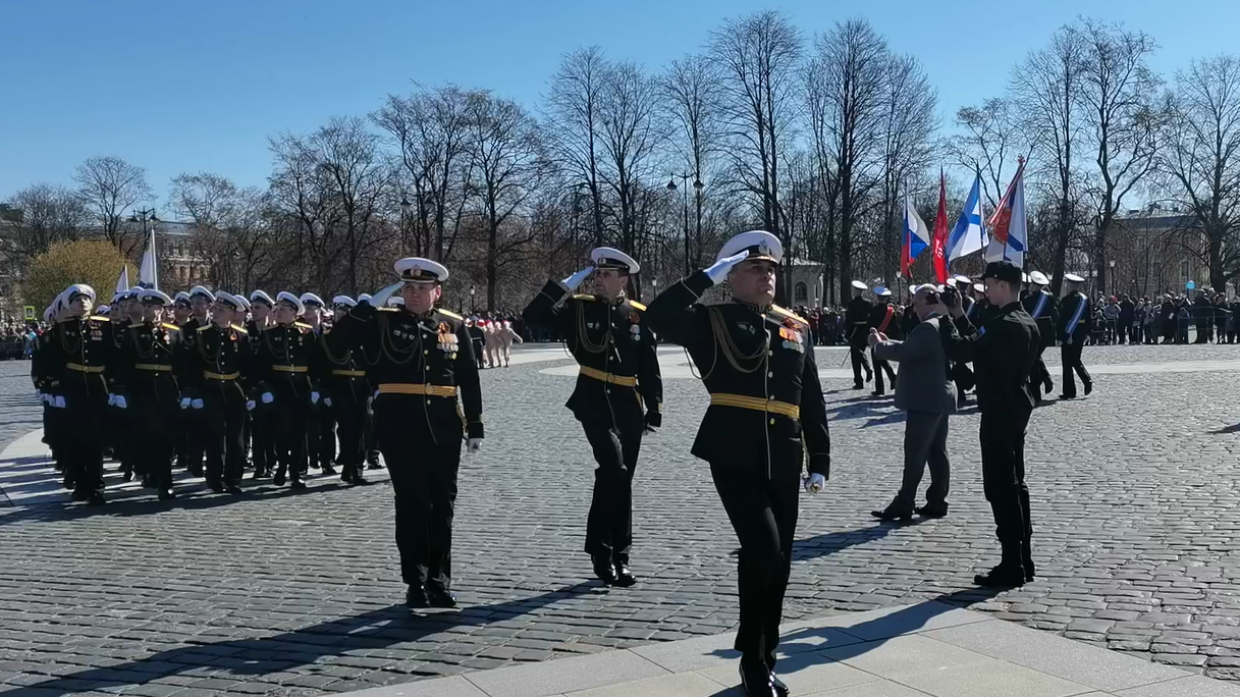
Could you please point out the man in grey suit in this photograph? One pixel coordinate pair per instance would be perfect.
(926, 391)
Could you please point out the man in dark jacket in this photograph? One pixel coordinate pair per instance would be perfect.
(1127, 315)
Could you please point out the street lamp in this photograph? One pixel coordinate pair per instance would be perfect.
(473, 307)
(684, 185)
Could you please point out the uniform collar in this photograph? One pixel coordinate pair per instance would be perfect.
(760, 309)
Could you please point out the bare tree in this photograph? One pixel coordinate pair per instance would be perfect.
(305, 208)
(356, 176)
(1117, 97)
(110, 186)
(50, 213)
(630, 138)
(757, 57)
(205, 199)
(573, 108)
(908, 123)
(691, 98)
(506, 152)
(991, 138)
(1203, 157)
(846, 96)
(1048, 92)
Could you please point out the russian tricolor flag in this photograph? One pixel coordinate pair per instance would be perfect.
(916, 237)
(1011, 236)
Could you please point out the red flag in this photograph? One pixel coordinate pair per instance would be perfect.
(939, 243)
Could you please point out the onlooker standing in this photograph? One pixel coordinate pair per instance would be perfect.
(925, 390)
(1110, 317)
(1127, 315)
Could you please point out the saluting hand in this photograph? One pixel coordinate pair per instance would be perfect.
(719, 270)
(572, 282)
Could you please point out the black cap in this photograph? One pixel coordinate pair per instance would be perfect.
(1004, 271)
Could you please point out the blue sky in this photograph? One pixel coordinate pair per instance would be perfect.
(198, 86)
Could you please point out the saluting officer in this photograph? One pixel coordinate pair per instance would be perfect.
(79, 351)
(261, 429)
(883, 318)
(212, 373)
(766, 410)
(146, 362)
(345, 393)
(421, 362)
(1004, 350)
(857, 322)
(1044, 309)
(283, 386)
(1076, 321)
(618, 396)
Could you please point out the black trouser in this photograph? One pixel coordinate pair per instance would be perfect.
(221, 429)
(857, 354)
(318, 431)
(1039, 374)
(763, 513)
(85, 418)
(154, 402)
(925, 442)
(372, 443)
(1070, 354)
(609, 527)
(290, 416)
(262, 440)
(881, 366)
(1125, 330)
(348, 411)
(1002, 436)
(423, 466)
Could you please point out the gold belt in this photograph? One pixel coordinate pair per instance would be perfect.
(622, 380)
(418, 389)
(78, 367)
(218, 376)
(741, 401)
(289, 368)
(349, 373)
(154, 367)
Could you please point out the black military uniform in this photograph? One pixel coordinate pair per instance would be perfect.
(856, 328)
(118, 419)
(885, 319)
(1075, 323)
(190, 448)
(145, 367)
(1044, 309)
(1004, 350)
(619, 393)
(214, 367)
(420, 366)
(766, 413)
(342, 376)
(282, 370)
(77, 354)
(262, 432)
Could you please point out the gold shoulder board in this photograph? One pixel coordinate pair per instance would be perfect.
(386, 309)
(239, 329)
(99, 318)
(302, 325)
(636, 305)
(788, 313)
(170, 327)
(205, 327)
(453, 315)
(581, 296)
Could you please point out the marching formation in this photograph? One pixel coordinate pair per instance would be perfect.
(207, 378)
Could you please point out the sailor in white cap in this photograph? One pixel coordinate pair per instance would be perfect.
(856, 328)
(285, 388)
(80, 347)
(617, 398)
(766, 418)
(423, 368)
(1044, 309)
(313, 315)
(200, 300)
(883, 320)
(320, 430)
(345, 395)
(1076, 321)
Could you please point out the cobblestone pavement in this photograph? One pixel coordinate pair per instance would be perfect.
(1135, 508)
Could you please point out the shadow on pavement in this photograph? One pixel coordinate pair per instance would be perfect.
(832, 542)
(374, 630)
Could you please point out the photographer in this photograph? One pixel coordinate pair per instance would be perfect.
(1004, 351)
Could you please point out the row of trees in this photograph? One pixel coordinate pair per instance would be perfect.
(816, 138)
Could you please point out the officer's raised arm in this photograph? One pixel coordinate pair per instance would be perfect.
(672, 314)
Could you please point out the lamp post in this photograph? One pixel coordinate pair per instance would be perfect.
(684, 186)
(473, 307)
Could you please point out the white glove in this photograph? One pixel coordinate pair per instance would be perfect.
(380, 299)
(111, 399)
(185, 402)
(196, 403)
(719, 270)
(815, 483)
(578, 278)
(60, 402)
(473, 445)
(268, 398)
(314, 397)
(327, 401)
(249, 405)
(120, 402)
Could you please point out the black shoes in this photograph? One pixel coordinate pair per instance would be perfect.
(893, 513)
(297, 485)
(877, 393)
(328, 470)
(858, 386)
(440, 597)
(278, 480)
(1048, 386)
(166, 495)
(780, 688)
(624, 577)
(1067, 396)
(931, 512)
(416, 598)
(95, 499)
(1089, 387)
(603, 568)
(216, 487)
(1002, 576)
(232, 489)
(756, 681)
